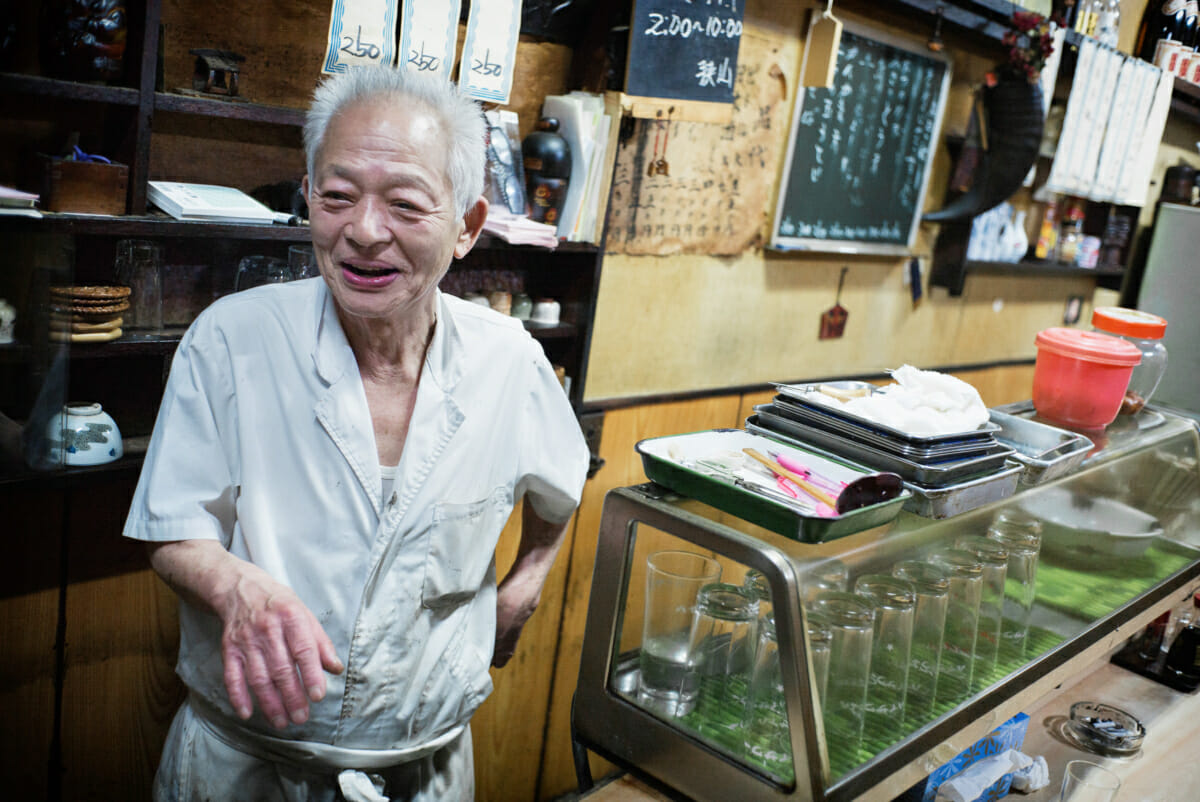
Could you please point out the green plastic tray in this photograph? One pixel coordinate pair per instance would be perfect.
(665, 461)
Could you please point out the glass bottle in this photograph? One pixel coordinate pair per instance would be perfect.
(1163, 20)
(1183, 658)
(547, 161)
(1146, 332)
(1108, 23)
(1071, 233)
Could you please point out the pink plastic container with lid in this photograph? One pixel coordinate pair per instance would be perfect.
(1080, 377)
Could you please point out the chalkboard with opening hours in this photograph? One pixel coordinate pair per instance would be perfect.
(858, 154)
(684, 49)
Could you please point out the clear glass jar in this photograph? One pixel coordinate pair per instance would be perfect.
(1145, 331)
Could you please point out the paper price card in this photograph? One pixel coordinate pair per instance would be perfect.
(428, 35)
(490, 50)
(360, 34)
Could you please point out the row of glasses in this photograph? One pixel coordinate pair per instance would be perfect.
(258, 269)
(897, 647)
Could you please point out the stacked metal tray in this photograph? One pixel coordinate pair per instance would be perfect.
(948, 474)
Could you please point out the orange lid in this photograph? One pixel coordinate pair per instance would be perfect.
(1129, 322)
(1091, 346)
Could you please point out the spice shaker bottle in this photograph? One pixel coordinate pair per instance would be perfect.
(547, 161)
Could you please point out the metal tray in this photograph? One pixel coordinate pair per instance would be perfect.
(667, 461)
(951, 500)
(934, 475)
(869, 435)
(809, 393)
(1047, 452)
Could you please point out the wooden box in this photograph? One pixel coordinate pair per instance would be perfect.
(85, 187)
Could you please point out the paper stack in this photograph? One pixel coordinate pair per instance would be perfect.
(14, 202)
(588, 122)
(210, 203)
(518, 229)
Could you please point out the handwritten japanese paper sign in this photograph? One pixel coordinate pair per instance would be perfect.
(428, 35)
(712, 201)
(361, 33)
(858, 161)
(490, 50)
(684, 49)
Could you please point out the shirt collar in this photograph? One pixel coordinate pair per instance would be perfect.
(331, 351)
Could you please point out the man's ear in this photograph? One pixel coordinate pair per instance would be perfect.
(472, 227)
(304, 187)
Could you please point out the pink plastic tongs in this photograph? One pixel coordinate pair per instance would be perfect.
(828, 485)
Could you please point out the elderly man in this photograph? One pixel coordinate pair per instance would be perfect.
(333, 462)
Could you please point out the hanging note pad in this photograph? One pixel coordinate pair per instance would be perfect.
(821, 50)
(428, 35)
(490, 50)
(360, 34)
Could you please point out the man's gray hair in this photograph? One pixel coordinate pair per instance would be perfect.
(461, 118)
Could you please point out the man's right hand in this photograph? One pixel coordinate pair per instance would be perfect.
(273, 647)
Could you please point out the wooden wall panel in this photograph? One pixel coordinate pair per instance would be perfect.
(622, 429)
(508, 729)
(28, 620)
(122, 637)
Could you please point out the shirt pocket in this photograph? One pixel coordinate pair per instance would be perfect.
(462, 542)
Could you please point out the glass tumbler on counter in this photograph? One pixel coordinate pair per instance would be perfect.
(721, 647)
(667, 682)
(1021, 534)
(852, 629)
(895, 602)
(755, 584)
(965, 573)
(1085, 781)
(301, 262)
(932, 589)
(994, 557)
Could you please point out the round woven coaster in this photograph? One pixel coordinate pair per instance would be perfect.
(80, 326)
(90, 311)
(89, 293)
(85, 337)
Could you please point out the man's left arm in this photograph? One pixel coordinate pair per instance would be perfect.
(519, 592)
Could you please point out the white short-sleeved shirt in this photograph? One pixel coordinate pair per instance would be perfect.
(264, 442)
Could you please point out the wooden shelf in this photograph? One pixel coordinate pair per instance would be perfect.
(12, 83)
(228, 109)
(1039, 268)
(150, 225)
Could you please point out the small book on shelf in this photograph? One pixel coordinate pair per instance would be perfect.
(211, 203)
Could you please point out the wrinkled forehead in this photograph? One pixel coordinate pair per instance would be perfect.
(413, 121)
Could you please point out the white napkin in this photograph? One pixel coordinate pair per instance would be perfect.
(358, 786)
(1034, 776)
(923, 402)
(970, 783)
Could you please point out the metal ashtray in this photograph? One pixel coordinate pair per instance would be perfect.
(1105, 729)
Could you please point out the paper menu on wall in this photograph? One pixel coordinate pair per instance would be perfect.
(1134, 183)
(490, 50)
(429, 35)
(361, 33)
(1131, 104)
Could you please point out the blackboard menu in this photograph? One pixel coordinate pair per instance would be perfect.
(684, 49)
(858, 154)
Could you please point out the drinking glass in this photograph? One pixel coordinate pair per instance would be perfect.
(827, 575)
(932, 587)
(721, 647)
(667, 683)
(139, 267)
(301, 262)
(256, 270)
(1021, 534)
(852, 628)
(1084, 781)
(765, 730)
(895, 601)
(994, 557)
(965, 573)
(820, 642)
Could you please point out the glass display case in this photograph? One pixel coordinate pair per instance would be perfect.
(772, 717)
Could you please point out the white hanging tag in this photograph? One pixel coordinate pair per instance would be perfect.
(429, 35)
(361, 33)
(490, 50)
(821, 49)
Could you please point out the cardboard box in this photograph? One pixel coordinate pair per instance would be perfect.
(1009, 735)
(85, 187)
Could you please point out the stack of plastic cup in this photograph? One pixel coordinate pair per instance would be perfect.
(965, 573)
(1021, 534)
(895, 601)
(994, 557)
(929, 625)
